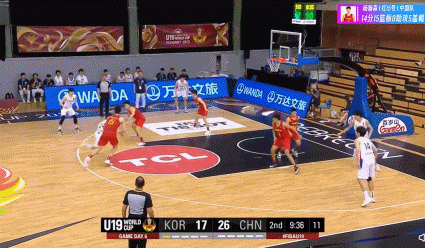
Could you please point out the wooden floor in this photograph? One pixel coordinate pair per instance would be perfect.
(32, 107)
(60, 191)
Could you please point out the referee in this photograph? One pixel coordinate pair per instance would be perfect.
(103, 91)
(140, 206)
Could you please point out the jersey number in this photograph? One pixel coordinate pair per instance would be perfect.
(111, 122)
(367, 145)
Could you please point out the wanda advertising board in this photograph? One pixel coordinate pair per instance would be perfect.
(185, 36)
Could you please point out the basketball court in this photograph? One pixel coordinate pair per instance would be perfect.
(226, 174)
(48, 198)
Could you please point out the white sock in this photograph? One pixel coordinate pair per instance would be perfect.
(365, 194)
(60, 128)
(372, 194)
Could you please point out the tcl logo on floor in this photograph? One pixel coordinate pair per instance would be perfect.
(182, 127)
(165, 160)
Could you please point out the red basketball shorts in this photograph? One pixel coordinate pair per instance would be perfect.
(139, 122)
(202, 112)
(283, 143)
(104, 140)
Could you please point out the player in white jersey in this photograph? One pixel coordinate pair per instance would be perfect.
(97, 135)
(359, 121)
(366, 153)
(67, 101)
(70, 80)
(128, 78)
(181, 89)
(120, 78)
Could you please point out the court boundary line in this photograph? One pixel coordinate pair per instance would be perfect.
(332, 234)
(240, 207)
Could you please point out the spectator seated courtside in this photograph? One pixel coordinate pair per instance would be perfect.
(184, 74)
(160, 76)
(36, 87)
(24, 88)
(81, 78)
(172, 75)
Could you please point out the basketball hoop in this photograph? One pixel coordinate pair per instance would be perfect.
(274, 63)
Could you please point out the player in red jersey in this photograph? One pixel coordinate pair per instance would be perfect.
(109, 135)
(202, 111)
(292, 121)
(348, 17)
(282, 140)
(139, 120)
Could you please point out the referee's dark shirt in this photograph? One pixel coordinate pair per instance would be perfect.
(140, 84)
(138, 201)
(103, 86)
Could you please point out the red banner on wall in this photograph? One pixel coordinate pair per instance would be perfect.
(184, 36)
(69, 39)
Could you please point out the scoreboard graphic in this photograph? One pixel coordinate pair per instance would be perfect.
(213, 228)
(304, 14)
(381, 14)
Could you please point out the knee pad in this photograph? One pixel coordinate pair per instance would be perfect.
(62, 119)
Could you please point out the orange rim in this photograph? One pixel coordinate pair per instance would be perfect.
(281, 60)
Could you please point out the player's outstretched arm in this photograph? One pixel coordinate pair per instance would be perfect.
(122, 127)
(76, 103)
(62, 102)
(124, 210)
(346, 129)
(375, 151)
(285, 125)
(203, 103)
(131, 112)
(370, 128)
(358, 155)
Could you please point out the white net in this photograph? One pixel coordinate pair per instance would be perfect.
(274, 64)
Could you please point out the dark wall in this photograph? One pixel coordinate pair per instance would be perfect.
(69, 13)
(2, 42)
(259, 17)
(184, 11)
(298, 84)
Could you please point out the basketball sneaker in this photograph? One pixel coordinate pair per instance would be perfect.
(177, 111)
(273, 165)
(77, 129)
(86, 162)
(108, 162)
(141, 143)
(296, 169)
(60, 131)
(373, 200)
(367, 201)
(208, 132)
